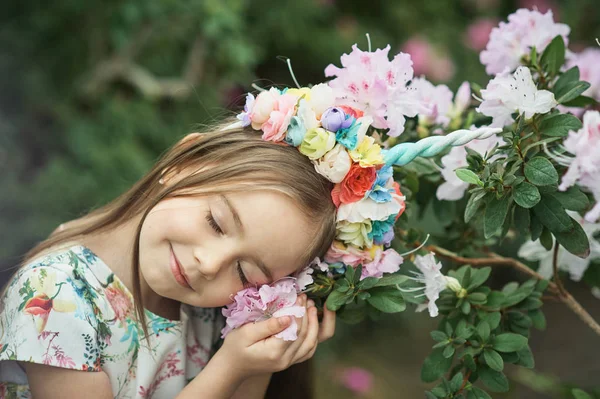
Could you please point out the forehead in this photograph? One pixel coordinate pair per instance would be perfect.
(276, 229)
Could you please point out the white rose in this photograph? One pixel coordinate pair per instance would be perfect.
(335, 164)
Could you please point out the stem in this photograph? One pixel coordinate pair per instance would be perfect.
(497, 260)
(465, 380)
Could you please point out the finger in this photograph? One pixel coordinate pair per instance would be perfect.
(267, 328)
(310, 342)
(327, 325)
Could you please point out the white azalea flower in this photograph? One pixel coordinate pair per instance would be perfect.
(434, 281)
(576, 266)
(507, 93)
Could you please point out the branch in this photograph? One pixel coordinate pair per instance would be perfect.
(121, 66)
(497, 260)
(559, 284)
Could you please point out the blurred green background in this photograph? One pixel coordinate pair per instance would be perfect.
(92, 92)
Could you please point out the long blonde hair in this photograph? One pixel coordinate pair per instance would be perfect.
(238, 160)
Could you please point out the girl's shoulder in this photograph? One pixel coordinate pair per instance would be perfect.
(54, 310)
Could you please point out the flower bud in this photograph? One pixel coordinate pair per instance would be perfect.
(453, 284)
(334, 119)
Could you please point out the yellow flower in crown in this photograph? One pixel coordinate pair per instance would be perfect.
(356, 234)
(317, 142)
(367, 153)
(303, 92)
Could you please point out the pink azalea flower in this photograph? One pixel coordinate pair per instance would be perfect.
(436, 99)
(478, 33)
(253, 305)
(514, 39)
(584, 168)
(304, 278)
(387, 261)
(368, 80)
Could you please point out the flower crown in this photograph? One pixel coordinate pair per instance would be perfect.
(335, 138)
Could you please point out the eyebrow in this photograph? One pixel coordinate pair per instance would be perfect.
(238, 223)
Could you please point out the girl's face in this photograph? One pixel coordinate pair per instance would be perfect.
(201, 250)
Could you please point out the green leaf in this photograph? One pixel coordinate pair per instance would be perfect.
(478, 277)
(495, 213)
(559, 125)
(575, 240)
(336, 299)
(540, 171)
(508, 342)
(495, 300)
(480, 393)
(477, 298)
(521, 219)
(538, 319)
(456, 382)
(483, 329)
(579, 394)
(473, 204)
(494, 380)
(353, 314)
(554, 56)
(438, 336)
(493, 359)
(367, 283)
(525, 358)
(572, 75)
(391, 279)
(494, 319)
(468, 176)
(387, 300)
(536, 227)
(581, 102)
(571, 91)
(435, 366)
(573, 199)
(527, 195)
(448, 351)
(552, 215)
(546, 239)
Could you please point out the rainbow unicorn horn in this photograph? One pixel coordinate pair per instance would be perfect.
(403, 153)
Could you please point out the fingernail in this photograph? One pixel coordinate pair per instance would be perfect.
(284, 321)
(311, 303)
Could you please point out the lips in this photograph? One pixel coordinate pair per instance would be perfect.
(177, 270)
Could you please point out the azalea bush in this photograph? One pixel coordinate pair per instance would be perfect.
(536, 181)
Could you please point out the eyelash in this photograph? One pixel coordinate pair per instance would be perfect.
(213, 223)
(215, 226)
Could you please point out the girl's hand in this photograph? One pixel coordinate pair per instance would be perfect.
(317, 333)
(252, 349)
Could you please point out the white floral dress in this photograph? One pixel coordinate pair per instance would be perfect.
(67, 309)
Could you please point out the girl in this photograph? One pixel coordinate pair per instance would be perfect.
(124, 302)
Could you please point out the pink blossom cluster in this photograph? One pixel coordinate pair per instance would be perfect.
(427, 60)
(513, 39)
(369, 81)
(258, 304)
(584, 168)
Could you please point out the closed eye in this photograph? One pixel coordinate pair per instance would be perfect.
(213, 223)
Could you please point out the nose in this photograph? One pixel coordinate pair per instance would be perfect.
(209, 263)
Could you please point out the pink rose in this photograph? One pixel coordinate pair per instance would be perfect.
(264, 104)
(275, 127)
(348, 255)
